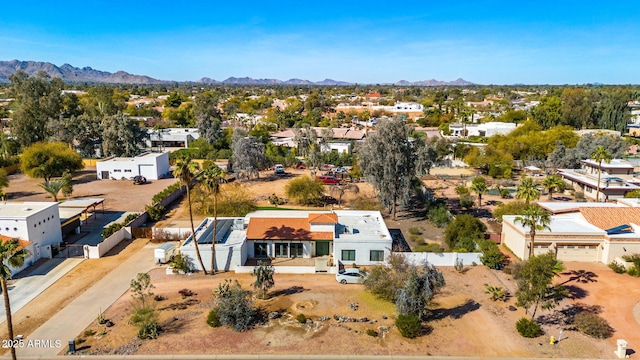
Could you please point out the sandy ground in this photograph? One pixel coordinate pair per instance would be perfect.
(119, 195)
(464, 322)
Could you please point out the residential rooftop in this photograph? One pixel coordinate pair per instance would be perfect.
(21, 210)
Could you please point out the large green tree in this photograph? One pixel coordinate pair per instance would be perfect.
(464, 232)
(305, 190)
(548, 112)
(122, 136)
(536, 219)
(553, 183)
(12, 254)
(37, 100)
(49, 160)
(535, 284)
(615, 112)
(248, 154)
(387, 160)
(186, 170)
(527, 190)
(576, 107)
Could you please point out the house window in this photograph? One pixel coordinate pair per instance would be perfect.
(376, 255)
(348, 255)
(282, 250)
(296, 250)
(260, 249)
(127, 170)
(117, 170)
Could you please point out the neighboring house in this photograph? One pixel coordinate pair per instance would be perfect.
(36, 224)
(341, 147)
(172, 138)
(286, 137)
(594, 232)
(151, 165)
(359, 237)
(616, 178)
(486, 129)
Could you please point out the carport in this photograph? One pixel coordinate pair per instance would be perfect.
(87, 205)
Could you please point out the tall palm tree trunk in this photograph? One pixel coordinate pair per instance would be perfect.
(215, 233)
(7, 310)
(598, 189)
(532, 234)
(193, 232)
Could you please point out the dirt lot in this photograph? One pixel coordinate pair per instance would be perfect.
(119, 195)
(464, 322)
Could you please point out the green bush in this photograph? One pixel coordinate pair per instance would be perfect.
(213, 319)
(439, 216)
(372, 333)
(408, 325)
(301, 318)
(416, 239)
(130, 218)
(181, 263)
(89, 333)
(433, 247)
(592, 325)
(414, 231)
(633, 271)
(148, 331)
(617, 267)
(111, 229)
(491, 254)
(155, 212)
(164, 193)
(528, 328)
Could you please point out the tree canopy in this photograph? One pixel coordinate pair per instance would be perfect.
(49, 160)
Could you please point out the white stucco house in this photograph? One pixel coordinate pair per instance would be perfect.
(172, 137)
(595, 232)
(341, 147)
(151, 165)
(359, 237)
(35, 224)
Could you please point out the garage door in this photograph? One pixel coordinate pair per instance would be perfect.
(540, 249)
(148, 171)
(577, 252)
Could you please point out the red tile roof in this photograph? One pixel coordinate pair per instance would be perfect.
(284, 229)
(21, 243)
(323, 219)
(607, 218)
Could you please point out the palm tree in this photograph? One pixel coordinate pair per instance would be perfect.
(212, 177)
(600, 154)
(13, 254)
(552, 183)
(185, 171)
(479, 186)
(527, 190)
(537, 219)
(53, 187)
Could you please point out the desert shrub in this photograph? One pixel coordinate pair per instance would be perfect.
(301, 318)
(439, 215)
(235, 307)
(491, 254)
(372, 333)
(633, 271)
(185, 293)
(159, 298)
(528, 328)
(305, 190)
(593, 325)
(213, 319)
(433, 247)
(466, 201)
(414, 231)
(416, 238)
(408, 325)
(514, 268)
(88, 333)
(80, 340)
(617, 267)
(634, 258)
(181, 263)
(235, 199)
(580, 196)
(148, 331)
(496, 292)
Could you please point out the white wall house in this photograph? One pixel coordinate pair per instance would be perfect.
(342, 147)
(37, 224)
(593, 232)
(172, 137)
(359, 237)
(152, 166)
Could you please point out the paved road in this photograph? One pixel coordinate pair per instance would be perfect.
(81, 312)
(26, 288)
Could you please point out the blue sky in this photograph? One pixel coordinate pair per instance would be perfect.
(486, 42)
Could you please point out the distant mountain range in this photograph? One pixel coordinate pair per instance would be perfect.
(69, 73)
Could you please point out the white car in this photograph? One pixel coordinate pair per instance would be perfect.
(351, 276)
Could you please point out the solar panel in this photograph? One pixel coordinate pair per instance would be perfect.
(618, 229)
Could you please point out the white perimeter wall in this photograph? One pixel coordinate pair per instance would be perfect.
(442, 259)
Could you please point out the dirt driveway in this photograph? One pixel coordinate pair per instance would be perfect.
(119, 195)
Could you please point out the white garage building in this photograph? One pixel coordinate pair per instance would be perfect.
(151, 165)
